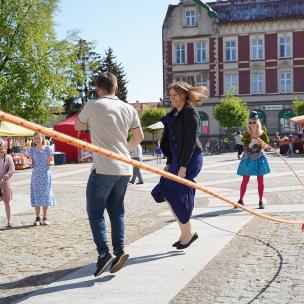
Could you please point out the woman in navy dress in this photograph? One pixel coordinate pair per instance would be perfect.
(181, 145)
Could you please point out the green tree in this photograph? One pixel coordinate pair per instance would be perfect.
(34, 65)
(82, 74)
(109, 64)
(151, 116)
(231, 112)
(298, 106)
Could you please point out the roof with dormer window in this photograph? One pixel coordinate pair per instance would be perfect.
(257, 10)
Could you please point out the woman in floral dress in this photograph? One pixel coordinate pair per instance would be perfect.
(41, 182)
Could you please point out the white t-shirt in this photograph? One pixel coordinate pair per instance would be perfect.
(137, 152)
(238, 140)
(109, 120)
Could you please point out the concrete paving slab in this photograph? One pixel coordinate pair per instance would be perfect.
(155, 272)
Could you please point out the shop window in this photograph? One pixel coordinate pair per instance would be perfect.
(204, 129)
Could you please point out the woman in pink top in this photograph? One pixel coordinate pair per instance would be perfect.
(7, 169)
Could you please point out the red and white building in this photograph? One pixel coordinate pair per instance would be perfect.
(253, 46)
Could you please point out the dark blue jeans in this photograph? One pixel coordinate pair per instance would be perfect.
(107, 192)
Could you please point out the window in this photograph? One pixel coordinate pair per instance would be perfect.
(181, 78)
(257, 83)
(285, 47)
(180, 53)
(201, 52)
(286, 126)
(230, 82)
(190, 18)
(204, 123)
(257, 49)
(285, 82)
(230, 50)
(201, 80)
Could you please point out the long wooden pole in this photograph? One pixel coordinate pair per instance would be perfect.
(89, 147)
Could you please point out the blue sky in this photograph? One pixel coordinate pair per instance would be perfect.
(132, 28)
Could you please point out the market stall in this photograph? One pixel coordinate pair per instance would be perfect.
(73, 155)
(15, 137)
(297, 140)
(8, 129)
(298, 145)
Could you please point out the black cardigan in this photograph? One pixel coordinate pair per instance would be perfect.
(184, 135)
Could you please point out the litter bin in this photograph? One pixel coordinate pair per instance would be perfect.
(59, 158)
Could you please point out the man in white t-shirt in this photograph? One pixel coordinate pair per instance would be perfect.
(109, 121)
(239, 145)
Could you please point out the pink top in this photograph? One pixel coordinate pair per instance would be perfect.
(7, 169)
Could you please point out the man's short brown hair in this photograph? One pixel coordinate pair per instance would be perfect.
(106, 81)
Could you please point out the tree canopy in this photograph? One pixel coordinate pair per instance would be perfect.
(34, 65)
(152, 116)
(82, 86)
(298, 107)
(231, 112)
(109, 64)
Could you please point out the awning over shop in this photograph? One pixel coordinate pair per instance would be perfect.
(297, 119)
(157, 126)
(9, 129)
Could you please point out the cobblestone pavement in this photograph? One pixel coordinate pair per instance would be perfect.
(262, 264)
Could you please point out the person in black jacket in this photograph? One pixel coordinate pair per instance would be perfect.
(181, 145)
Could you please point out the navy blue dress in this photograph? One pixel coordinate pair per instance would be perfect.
(180, 197)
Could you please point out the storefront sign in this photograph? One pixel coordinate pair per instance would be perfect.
(272, 107)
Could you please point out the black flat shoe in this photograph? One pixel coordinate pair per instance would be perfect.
(261, 205)
(184, 246)
(176, 244)
(240, 202)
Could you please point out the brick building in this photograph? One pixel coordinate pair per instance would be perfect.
(253, 46)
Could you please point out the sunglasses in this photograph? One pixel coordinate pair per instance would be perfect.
(252, 122)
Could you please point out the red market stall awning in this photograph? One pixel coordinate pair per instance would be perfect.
(67, 127)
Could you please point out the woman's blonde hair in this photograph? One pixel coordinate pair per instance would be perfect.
(195, 96)
(258, 129)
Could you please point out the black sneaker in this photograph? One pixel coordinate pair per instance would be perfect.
(118, 262)
(103, 263)
(261, 205)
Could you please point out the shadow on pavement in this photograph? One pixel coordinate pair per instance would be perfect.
(50, 277)
(17, 227)
(48, 290)
(153, 257)
(217, 213)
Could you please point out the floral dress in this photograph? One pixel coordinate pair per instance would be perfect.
(41, 181)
